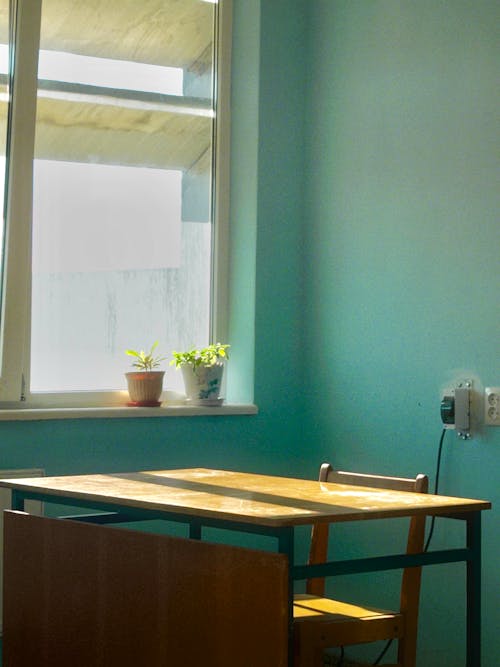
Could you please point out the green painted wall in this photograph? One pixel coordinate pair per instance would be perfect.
(402, 257)
(365, 264)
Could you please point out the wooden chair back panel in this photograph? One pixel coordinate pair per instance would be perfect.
(80, 594)
(320, 531)
(417, 485)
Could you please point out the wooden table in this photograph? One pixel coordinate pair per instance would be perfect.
(268, 505)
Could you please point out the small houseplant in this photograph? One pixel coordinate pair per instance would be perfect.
(145, 384)
(202, 371)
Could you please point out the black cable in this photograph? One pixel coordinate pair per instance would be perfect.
(384, 651)
(436, 487)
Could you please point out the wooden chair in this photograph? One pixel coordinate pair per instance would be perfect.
(321, 623)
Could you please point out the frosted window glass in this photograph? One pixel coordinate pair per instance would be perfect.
(103, 217)
(83, 321)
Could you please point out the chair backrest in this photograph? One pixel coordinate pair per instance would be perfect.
(410, 582)
(319, 536)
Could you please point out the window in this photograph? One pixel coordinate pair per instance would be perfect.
(115, 162)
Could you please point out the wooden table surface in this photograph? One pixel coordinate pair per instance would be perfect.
(249, 498)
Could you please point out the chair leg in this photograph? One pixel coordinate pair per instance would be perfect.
(406, 652)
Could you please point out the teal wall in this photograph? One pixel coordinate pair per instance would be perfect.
(364, 274)
(403, 260)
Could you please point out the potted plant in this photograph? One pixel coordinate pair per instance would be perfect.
(146, 384)
(202, 371)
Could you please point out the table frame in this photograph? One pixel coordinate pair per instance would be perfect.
(111, 513)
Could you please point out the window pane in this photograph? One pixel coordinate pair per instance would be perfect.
(122, 228)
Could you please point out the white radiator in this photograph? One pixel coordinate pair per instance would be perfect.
(31, 506)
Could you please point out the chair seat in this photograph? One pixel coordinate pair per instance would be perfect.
(336, 623)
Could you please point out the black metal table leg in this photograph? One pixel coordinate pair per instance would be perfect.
(474, 590)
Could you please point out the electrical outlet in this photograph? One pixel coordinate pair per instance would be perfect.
(492, 406)
(455, 408)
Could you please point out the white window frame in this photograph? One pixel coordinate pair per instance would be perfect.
(16, 302)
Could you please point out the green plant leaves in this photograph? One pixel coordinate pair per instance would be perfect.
(206, 356)
(145, 361)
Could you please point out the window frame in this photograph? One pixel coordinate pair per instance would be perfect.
(16, 302)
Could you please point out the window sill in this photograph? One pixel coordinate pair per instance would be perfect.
(40, 413)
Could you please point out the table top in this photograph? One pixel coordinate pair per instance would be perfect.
(244, 497)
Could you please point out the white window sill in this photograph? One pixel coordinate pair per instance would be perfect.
(41, 413)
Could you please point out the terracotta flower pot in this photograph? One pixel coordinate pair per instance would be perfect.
(145, 387)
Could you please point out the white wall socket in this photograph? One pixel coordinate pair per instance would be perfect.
(492, 406)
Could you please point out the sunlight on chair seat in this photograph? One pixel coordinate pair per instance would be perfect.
(311, 606)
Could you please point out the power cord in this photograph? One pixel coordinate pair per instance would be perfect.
(383, 652)
(426, 547)
(436, 485)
